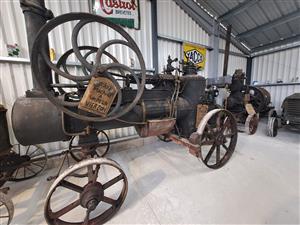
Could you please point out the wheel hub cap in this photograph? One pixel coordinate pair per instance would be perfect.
(91, 196)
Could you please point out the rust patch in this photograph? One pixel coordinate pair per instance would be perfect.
(156, 127)
(193, 149)
(201, 112)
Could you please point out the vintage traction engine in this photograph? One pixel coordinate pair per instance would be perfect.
(106, 94)
(247, 102)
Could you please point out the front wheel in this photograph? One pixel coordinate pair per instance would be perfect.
(272, 129)
(251, 124)
(6, 209)
(88, 200)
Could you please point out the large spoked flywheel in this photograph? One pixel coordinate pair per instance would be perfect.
(72, 91)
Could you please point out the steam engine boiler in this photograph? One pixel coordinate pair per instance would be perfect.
(106, 93)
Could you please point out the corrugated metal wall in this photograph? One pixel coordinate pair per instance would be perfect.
(175, 23)
(234, 62)
(283, 65)
(15, 78)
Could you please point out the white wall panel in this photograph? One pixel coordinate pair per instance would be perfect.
(234, 62)
(174, 22)
(167, 48)
(15, 78)
(283, 65)
(222, 43)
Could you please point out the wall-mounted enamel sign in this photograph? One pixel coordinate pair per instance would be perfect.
(123, 12)
(195, 54)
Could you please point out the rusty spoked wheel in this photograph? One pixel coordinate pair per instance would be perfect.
(251, 124)
(33, 161)
(217, 134)
(100, 148)
(6, 209)
(93, 199)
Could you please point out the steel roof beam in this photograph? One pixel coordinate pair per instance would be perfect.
(205, 21)
(237, 10)
(277, 43)
(271, 24)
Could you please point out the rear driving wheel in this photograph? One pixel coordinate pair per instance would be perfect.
(217, 134)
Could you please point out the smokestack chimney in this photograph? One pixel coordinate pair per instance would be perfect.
(36, 15)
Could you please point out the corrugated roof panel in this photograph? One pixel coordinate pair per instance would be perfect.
(238, 26)
(260, 13)
(247, 21)
(287, 6)
(215, 4)
(295, 26)
(271, 34)
(283, 30)
(270, 9)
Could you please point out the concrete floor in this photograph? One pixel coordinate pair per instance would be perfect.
(167, 185)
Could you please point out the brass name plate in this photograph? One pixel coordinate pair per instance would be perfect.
(99, 96)
(249, 108)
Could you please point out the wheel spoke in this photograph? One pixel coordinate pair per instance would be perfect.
(71, 186)
(16, 173)
(36, 164)
(93, 174)
(218, 154)
(34, 151)
(208, 142)
(27, 150)
(226, 148)
(87, 217)
(213, 147)
(109, 200)
(66, 209)
(112, 181)
(32, 171)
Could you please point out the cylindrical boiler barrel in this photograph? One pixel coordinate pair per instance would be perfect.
(36, 121)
